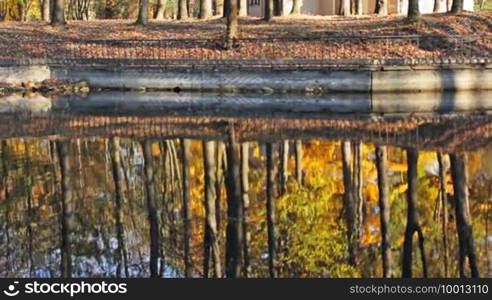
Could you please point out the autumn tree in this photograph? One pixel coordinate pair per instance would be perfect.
(346, 8)
(270, 208)
(186, 207)
(296, 7)
(413, 9)
(67, 208)
(243, 8)
(382, 7)
(413, 225)
(382, 170)
(437, 6)
(462, 212)
(457, 6)
(232, 24)
(183, 13)
(444, 211)
(269, 10)
(143, 12)
(58, 12)
(160, 9)
(45, 10)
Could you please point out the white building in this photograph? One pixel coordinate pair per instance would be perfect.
(332, 7)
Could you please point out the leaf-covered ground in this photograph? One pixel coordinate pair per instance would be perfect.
(17, 40)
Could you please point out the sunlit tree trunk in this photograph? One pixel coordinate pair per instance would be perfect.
(234, 211)
(346, 11)
(143, 12)
(119, 183)
(160, 9)
(384, 207)
(220, 172)
(298, 156)
(296, 7)
(211, 232)
(67, 209)
(382, 7)
(413, 9)
(245, 205)
(444, 216)
(152, 209)
(270, 206)
(462, 211)
(205, 9)
(219, 7)
(58, 12)
(412, 217)
(457, 6)
(359, 8)
(243, 8)
(45, 10)
(349, 202)
(284, 166)
(437, 6)
(232, 23)
(183, 10)
(185, 161)
(269, 10)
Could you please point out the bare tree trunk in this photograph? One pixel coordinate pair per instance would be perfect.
(413, 9)
(412, 218)
(384, 207)
(284, 166)
(346, 8)
(462, 211)
(444, 216)
(245, 204)
(205, 9)
(185, 158)
(349, 202)
(219, 7)
(232, 24)
(298, 155)
(296, 7)
(58, 12)
(234, 212)
(160, 9)
(243, 8)
(152, 209)
(382, 7)
(437, 6)
(270, 205)
(45, 10)
(143, 12)
(67, 209)
(359, 8)
(457, 6)
(269, 10)
(183, 10)
(212, 245)
(118, 178)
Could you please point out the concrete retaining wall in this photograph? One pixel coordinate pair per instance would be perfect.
(396, 80)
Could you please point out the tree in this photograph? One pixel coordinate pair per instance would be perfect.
(359, 9)
(413, 9)
(45, 10)
(160, 9)
(205, 9)
(143, 12)
(270, 206)
(384, 213)
(437, 6)
(182, 10)
(67, 207)
(211, 232)
(243, 8)
(58, 13)
(185, 158)
(269, 10)
(234, 232)
(457, 6)
(245, 206)
(232, 24)
(382, 7)
(345, 8)
(150, 193)
(219, 7)
(296, 7)
(413, 224)
(298, 155)
(462, 212)
(444, 205)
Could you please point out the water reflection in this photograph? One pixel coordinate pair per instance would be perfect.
(167, 195)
